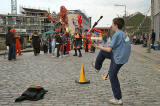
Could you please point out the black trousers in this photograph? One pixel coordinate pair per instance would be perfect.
(58, 49)
(93, 49)
(64, 49)
(45, 48)
(153, 40)
(86, 49)
(36, 51)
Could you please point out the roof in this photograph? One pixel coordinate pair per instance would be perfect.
(34, 10)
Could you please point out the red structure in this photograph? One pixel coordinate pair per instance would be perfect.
(104, 30)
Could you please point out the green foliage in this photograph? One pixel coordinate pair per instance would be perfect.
(134, 21)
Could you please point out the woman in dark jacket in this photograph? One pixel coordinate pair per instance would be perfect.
(58, 43)
(36, 43)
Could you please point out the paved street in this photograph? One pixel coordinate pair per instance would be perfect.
(140, 81)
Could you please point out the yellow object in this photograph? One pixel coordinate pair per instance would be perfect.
(82, 79)
(100, 35)
(29, 39)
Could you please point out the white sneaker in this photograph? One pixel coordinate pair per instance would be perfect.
(116, 102)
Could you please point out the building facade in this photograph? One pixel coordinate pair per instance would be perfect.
(29, 21)
(156, 18)
(72, 14)
(35, 20)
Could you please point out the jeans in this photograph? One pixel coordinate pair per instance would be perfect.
(113, 71)
(12, 52)
(101, 57)
(53, 44)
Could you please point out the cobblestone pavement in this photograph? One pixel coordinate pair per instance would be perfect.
(140, 81)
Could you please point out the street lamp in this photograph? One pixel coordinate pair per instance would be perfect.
(122, 6)
(125, 15)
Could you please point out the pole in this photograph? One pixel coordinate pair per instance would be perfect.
(125, 18)
(125, 15)
(152, 26)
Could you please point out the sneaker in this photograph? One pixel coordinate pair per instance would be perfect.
(116, 102)
(92, 63)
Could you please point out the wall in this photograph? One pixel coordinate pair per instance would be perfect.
(156, 19)
(2, 42)
(85, 23)
(156, 7)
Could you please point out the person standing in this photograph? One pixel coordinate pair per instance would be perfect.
(93, 48)
(86, 40)
(53, 44)
(153, 36)
(64, 42)
(68, 43)
(36, 43)
(118, 51)
(104, 38)
(45, 44)
(18, 45)
(11, 42)
(49, 43)
(78, 43)
(58, 43)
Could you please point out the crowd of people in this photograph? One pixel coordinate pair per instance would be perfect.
(57, 44)
(143, 39)
(63, 42)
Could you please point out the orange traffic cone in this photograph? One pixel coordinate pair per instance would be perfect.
(82, 79)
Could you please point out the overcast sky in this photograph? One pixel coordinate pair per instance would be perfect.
(93, 8)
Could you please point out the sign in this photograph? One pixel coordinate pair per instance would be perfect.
(96, 38)
(20, 30)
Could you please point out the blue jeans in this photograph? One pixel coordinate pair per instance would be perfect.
(53, 44)
(12, 52)
(113, 71)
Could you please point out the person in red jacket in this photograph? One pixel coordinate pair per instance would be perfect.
(68, 44)
(18, 45)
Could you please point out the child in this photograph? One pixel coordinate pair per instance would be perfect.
(118, 51)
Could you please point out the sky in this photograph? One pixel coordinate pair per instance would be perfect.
(92, 8)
